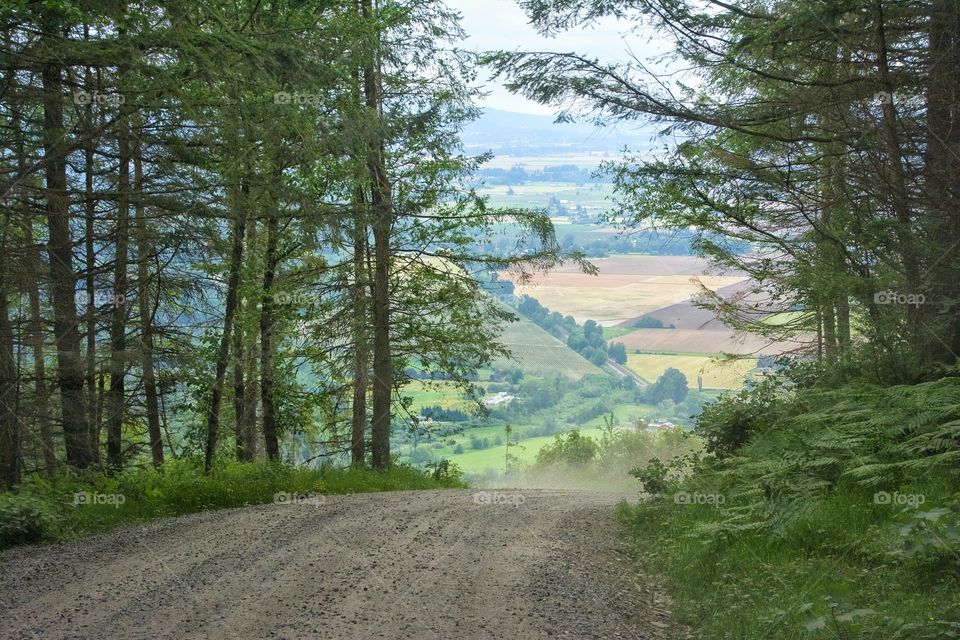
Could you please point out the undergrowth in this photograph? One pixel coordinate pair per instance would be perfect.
(818, 514)
(69, 505)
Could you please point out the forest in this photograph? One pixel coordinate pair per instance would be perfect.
(244, 217)
(244, 254)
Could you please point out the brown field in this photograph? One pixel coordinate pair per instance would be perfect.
(626, 287)
(714, 373)
(704, 341)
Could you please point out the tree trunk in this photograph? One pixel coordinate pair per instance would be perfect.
(41, 393)
(223, 355)
(361, 376)
(381, 199)
(9, 421)
(116, 394)
(251, 398)
(146, 313)
(90, 214)
(41, 396)
(942, 163)
(267, 346)
(76, 427)
(239, 387)
(896, 180)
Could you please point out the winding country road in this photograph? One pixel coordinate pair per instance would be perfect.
(429, 564)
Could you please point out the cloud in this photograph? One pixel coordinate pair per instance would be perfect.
(502, 24)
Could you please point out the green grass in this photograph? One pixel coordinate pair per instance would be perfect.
(537, 195)
(68, 506)
(537, 352)
(803, 545)
(612, 333)
(442, 393)
(525, 452)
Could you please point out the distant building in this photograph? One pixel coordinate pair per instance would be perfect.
(501, 398)
(660, 426)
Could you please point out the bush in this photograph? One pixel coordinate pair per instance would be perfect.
(728, 423)
(23, 520)
(571, 448)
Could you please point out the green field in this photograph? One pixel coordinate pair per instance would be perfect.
(434, 393)
(716, 375)
(537, 352)
(536, 163)
(525, 451)
(534, 195)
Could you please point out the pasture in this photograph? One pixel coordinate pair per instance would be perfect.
(716, 373)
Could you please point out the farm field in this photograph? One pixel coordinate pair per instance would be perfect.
(435, 393)
(473, 461)
(594, 197)
(716, 375)
(536, 351)
(612, 298)
(693, 341)
(536, 163)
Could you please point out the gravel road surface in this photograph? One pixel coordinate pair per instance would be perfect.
(441, 564)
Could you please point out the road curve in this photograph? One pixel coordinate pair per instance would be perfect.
(426, 564)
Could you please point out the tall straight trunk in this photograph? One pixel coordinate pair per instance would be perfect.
(382, 204)
(76, 427)
(819, 320)
(145, 307)
(41, 393)
(251, 399)
(942, 168)
(10, 469)
(116, 394)
(829, 331)
(361, 376)
(90, 213)
(382, 361)
(244, 379)
(239, 390)
(842, 306)
(223, 353)
(267, 343)
(896, 179)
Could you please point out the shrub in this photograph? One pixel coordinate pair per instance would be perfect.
(570, 448)
(23, 520)
(730, 421)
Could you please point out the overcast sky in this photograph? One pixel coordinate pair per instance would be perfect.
(502, 24)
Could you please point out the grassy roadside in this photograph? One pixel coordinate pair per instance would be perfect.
(68, 506)
(837, 516)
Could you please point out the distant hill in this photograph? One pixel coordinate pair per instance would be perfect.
(507, 132)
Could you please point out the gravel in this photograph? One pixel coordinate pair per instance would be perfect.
(510, 563)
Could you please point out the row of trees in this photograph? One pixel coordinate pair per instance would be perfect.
(248, 213)
(586, 339)
(825, 134)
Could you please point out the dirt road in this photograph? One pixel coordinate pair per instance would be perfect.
(435, 564)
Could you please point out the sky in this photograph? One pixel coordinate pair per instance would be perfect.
(502, 24)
